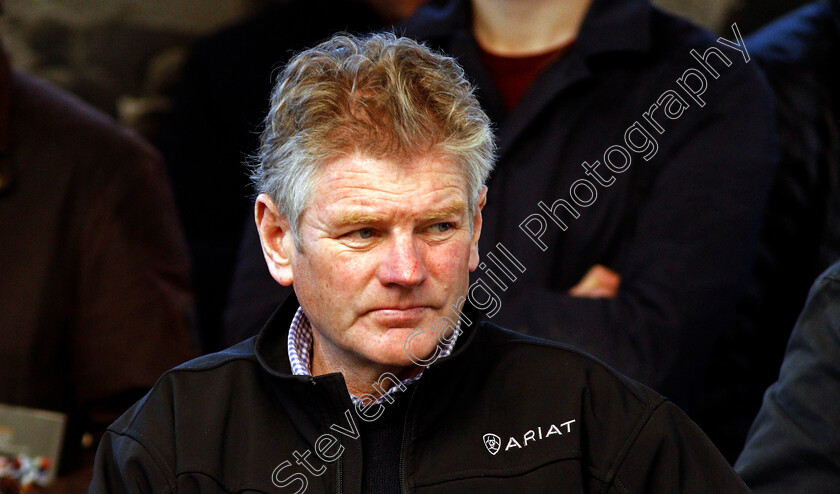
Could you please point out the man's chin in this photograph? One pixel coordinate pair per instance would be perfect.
(393, 357)
(409, 350)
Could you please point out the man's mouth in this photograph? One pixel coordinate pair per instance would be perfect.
(399, 314)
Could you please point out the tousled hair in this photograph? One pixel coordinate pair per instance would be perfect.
(381, 96)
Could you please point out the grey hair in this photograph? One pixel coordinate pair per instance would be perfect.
(379, 95)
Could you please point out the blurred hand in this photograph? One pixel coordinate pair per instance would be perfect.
(598, 282)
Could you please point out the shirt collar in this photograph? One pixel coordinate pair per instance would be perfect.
(299, 345)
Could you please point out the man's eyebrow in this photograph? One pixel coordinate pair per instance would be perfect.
(349, 218)
(455, 208)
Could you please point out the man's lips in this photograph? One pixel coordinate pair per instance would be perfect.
(397, 314)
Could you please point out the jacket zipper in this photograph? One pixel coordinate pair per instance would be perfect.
(341, 444)
(340, 461)
(402, 445)
(403, 486)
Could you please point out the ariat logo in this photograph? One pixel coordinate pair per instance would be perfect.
(493, 443)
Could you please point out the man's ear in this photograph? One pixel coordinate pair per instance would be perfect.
(276, 238)
(482, 200)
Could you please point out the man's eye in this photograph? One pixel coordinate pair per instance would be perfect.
(441, 227)
(362, 233)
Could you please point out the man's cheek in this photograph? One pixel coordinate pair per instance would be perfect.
(344, 269)
(450, 259)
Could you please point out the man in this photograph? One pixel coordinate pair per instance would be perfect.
(95, 298)
(378, 376)
(634, 205)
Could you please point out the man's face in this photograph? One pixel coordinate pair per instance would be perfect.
(386, 248)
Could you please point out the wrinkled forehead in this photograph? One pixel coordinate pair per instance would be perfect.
(363, 167)
(424, 182)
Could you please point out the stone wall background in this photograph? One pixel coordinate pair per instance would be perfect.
(119, 55)
(122, 56)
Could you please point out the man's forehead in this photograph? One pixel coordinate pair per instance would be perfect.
(358, 174)
(418, 163)
(359, 188)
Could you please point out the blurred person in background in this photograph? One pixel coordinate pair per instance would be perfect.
(95, 299)
(647, 273)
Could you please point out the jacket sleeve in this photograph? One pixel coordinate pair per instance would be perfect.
(794, 443)
(135, 308)
(125, 466)
(671, 454)
(686, 252)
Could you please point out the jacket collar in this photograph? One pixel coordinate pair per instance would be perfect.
(270, 348)
(271, 344)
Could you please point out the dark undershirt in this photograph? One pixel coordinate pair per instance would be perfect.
(381, 442)
(513, 75)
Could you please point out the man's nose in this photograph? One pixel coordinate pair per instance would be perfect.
(404, 263)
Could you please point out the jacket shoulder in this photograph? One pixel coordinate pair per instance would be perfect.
(206, 379)
(537, 358)
(612, 427)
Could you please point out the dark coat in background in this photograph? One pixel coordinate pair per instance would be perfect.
(793, 445)
(95, 300)
(679, 228)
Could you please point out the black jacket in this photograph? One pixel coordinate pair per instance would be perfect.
(562, 422)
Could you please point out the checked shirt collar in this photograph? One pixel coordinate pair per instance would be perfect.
(300, 352)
